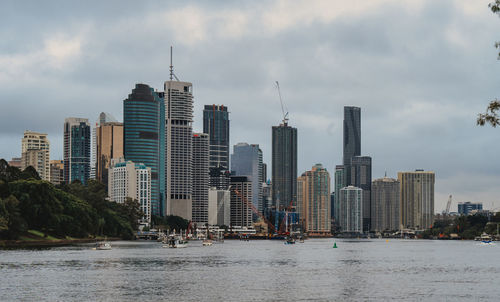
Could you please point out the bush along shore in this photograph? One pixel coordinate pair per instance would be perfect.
(34, 212)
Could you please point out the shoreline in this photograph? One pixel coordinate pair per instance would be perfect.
(25, 244)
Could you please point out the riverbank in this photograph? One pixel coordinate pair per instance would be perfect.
(35, 239)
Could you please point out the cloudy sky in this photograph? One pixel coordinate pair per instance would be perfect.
(420, 70)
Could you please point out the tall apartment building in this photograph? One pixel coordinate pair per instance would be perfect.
(339, 183)
(132, 180)
(284, 165)
(361, 177)
(200, 178)
(385, 205)
(179, 154)
(144, 138)
(241, 197)
(313, 201)
(417, 199)
(36, 153)
(246, 160)
(76, 152)
(109, 145)
(57, 172)
(351, 216)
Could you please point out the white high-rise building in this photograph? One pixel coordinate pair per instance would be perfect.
(36, 153)
(133, 180)
(351, 207)
(179, 148)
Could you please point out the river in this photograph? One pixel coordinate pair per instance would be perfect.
(255, 271)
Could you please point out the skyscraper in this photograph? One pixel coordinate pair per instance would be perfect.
(417, 199)
(351, 216)
(200, 178)
(109, 145)
(76, 150)
(179, 154)
(144, 138)
(36, 153)
(352, 138)
(216, 125)
(284, 165)
(313, 202)
(103, 118)
(339, 183)
(361, 177)
(385, 205)
(246, 160)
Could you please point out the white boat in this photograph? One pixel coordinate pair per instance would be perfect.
(207, 242)
(103, 246)
(176, 242)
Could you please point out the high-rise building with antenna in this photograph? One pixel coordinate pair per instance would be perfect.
(178, 146)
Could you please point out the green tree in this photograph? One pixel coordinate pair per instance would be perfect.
(491, 115)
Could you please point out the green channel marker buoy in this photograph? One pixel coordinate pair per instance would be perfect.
(335, 245)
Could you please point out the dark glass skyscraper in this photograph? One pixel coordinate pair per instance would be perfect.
(284, 165)
(144, 138)
(352, 138)
(361, 177)
(216, 125)
(76, 150)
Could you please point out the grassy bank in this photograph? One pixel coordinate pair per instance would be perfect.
(37, 239)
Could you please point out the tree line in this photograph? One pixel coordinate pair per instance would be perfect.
(74, 210)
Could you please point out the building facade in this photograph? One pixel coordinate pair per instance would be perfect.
(219, 207)
(109, 145)
(352, 139)
(417, 199)
(144, 138)
(246, 160)
(57, 172)
(16, 162)
(179, 145)
(313, 201)
(284, 165)
(200, 178)
(131, 180)
(216, 125)
(241, 200)
(465, 208)
(76, 152)
(339, 183)
(385, 205)
(351, 217)
(35, 152)
(361, 177)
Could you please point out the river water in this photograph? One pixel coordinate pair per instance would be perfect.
(256, 271)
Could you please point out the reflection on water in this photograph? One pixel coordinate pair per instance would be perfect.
(255, 271)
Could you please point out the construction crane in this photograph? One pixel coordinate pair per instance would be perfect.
(254, 209)
(285, 115)
(448, 205)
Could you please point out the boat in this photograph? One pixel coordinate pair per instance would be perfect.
(485, 239)
(207, 242)
(290, 240)
(176, 242)
(103, 246)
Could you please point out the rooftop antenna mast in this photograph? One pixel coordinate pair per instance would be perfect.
(285, 115)
(172, 74)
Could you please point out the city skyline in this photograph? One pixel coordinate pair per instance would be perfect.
(420, 115)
